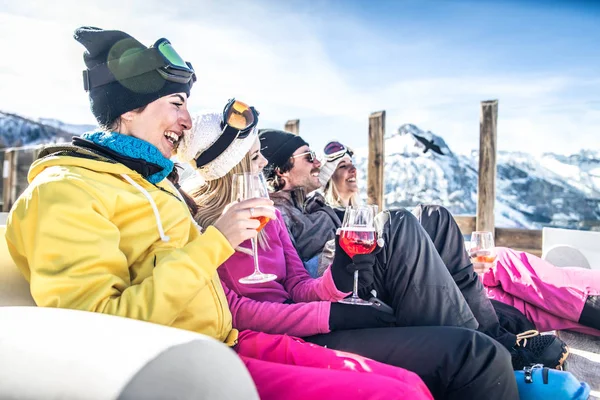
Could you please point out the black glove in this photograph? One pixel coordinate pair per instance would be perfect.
(348, 316)
(342, 268)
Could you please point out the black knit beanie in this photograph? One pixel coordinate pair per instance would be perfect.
(278, 146)
(110, 101)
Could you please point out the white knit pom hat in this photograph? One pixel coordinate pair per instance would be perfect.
(206, 129)
(329, 167)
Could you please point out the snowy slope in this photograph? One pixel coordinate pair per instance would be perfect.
(551, 190)
(18, 131)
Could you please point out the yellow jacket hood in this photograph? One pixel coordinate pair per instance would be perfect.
(69, 155)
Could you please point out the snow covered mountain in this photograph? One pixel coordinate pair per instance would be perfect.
(18, 131)
(72, 128)
(551, 190)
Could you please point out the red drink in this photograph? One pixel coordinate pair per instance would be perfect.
(358, 240)
(263, 221)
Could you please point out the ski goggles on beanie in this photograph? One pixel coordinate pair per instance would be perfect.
(161, 57)
(239, 120)
(335, 150)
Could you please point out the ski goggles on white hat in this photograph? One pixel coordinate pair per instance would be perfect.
(239, 120)
(335, 150)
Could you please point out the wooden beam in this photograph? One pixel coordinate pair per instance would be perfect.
(486, 192)
(466, 223)
(535, 252)
(376, 158)
(518, 238)
(293, 126)
(529, 240)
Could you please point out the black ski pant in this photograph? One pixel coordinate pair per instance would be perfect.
(449, 243)
(435, 337)
(454, 363)
(412, 278)
(590, 315)
(424, 273)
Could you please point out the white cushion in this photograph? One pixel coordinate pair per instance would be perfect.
(49, 353)
(587, 242)
(14, 289)
(563, 255)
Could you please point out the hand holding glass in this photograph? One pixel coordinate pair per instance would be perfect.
(357, 236)
(481, 251)
(245, 186)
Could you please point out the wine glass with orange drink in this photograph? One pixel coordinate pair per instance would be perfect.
(481, 251)
(249, 185)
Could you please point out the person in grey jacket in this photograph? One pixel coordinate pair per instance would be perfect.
(423, 274)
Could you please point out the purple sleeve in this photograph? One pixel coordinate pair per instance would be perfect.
(298, 283)
(303, 319)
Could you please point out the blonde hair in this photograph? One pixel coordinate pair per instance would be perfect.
(333, 198)
(214, 195)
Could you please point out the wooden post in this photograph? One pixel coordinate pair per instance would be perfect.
(14, 181)
(9, 179)
(376, 158)
(293, 126)
(486, 192)
(466, 223)
(5, 179)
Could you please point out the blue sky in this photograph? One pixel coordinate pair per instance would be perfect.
(331, 63)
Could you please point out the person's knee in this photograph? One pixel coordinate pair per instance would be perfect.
(486, 350)
(401, 216)
(430, 211)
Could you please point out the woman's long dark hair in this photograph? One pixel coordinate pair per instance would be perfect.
(174, 178)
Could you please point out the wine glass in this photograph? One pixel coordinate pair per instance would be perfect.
(249, 185)
(357, 236)
(481, 251)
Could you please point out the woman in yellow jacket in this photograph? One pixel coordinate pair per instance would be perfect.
(102, 229)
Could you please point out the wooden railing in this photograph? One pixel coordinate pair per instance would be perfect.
(529, 240)
(15, 167)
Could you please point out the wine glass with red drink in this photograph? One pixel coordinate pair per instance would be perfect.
(249, 185)
(357, 236)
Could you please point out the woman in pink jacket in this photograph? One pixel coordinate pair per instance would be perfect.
(454, 363)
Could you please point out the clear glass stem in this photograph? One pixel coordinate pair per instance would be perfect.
(257, 276)
(355, 286)
(255, 256)
(354, 299)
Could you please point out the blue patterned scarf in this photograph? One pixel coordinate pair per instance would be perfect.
(135, 148)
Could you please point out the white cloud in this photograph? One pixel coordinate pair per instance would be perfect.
(279, 62)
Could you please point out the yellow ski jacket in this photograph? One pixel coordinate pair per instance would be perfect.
(92, 234)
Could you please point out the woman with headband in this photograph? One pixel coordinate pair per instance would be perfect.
(298, 305)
